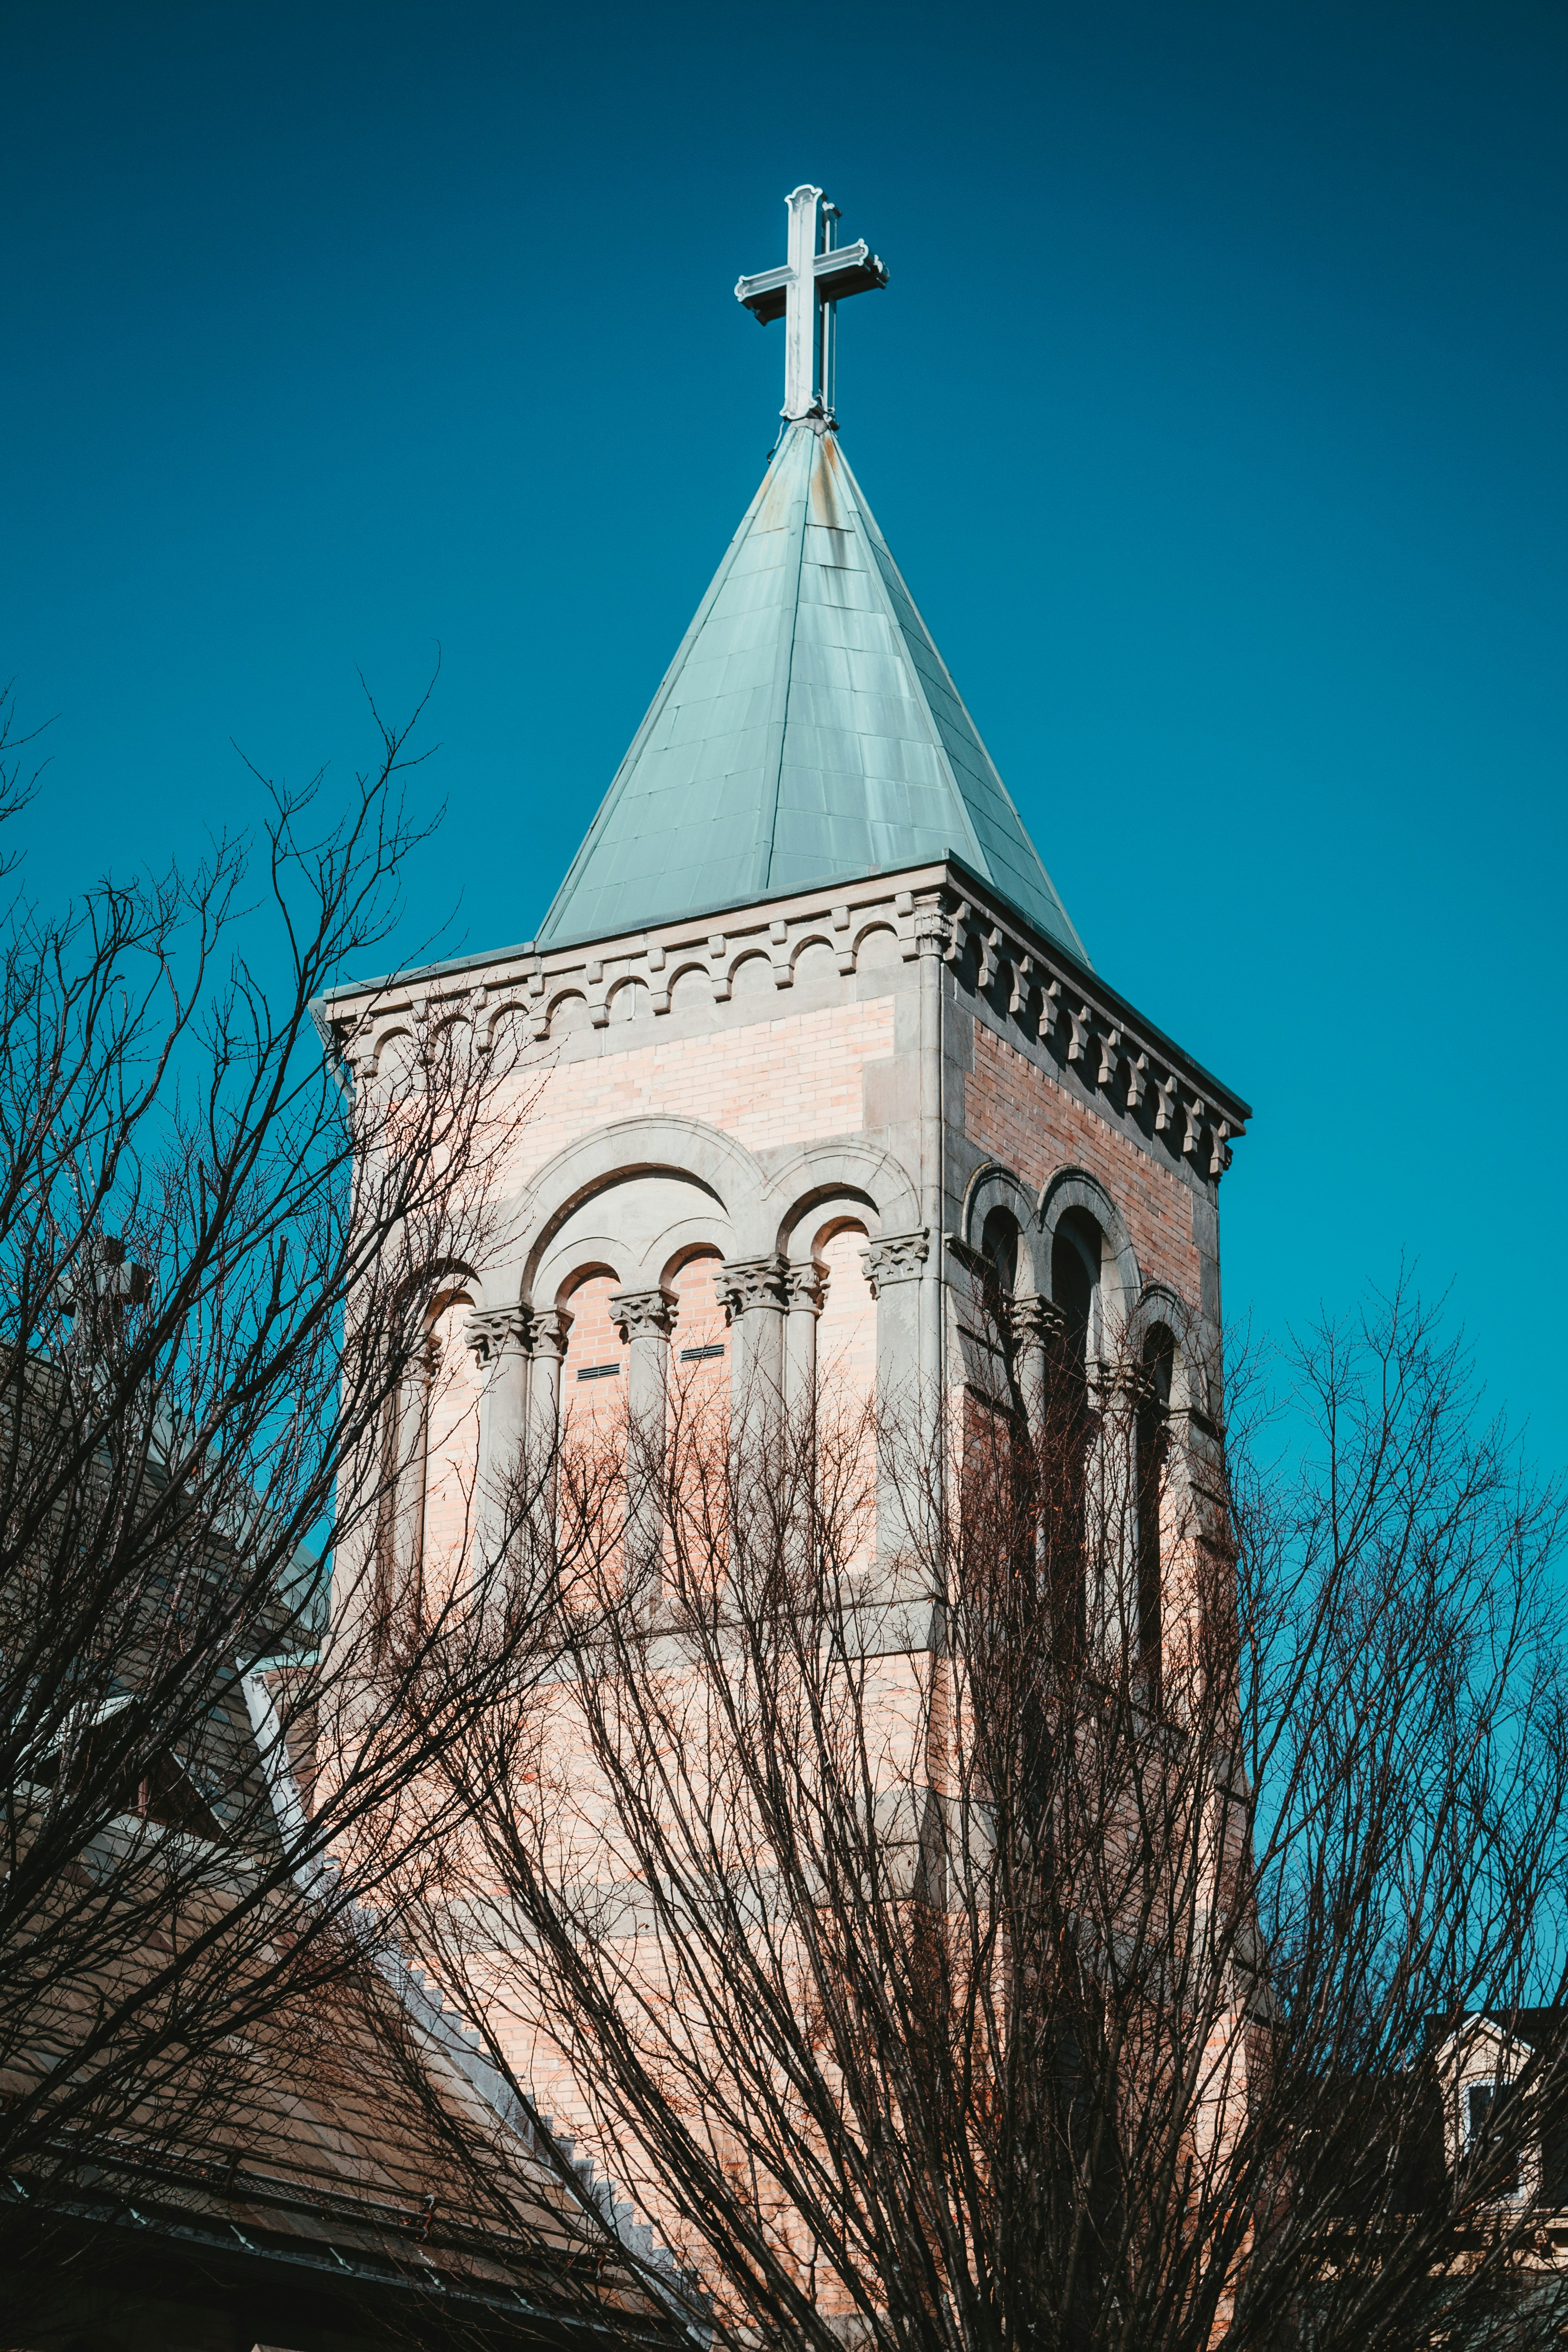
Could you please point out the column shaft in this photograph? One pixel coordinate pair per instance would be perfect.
(500, 1339)
(805, 1287)
(646, 1319)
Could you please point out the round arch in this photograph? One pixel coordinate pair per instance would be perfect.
(1074, 1188)
(684, 1147)
(856, 1172)
(995, 1187)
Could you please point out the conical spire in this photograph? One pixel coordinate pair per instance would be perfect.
(807, 731)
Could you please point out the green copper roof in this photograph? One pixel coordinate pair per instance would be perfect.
(808, 731)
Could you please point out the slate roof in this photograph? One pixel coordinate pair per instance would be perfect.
(349, 2145)
(808, 731)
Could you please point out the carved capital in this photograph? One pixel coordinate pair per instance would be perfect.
(1035, 1321)
(547, 1333)
(895, 1258)
(744, 1283)
(496, 1331)
(638, 1314)
(806, 1285)
(931, 931)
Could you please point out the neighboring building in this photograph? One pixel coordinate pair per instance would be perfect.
(1485, 2064)
(1459, 2162)
(342, 2169)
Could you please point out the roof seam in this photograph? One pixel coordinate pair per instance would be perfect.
(781, 702)
(607, 807)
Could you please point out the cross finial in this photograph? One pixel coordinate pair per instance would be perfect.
(805, 294)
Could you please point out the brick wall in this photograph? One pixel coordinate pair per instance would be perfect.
(1023, 1117)
(792, 1080)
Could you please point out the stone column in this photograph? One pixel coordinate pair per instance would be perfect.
(499, 1336)
(895, 1269)
(644, 1320)
(413, 1430)
(1035, 1323)
(806, 1287)
(753, 1294)
(546, 1341)
(1110, 1529)
(908, 1467)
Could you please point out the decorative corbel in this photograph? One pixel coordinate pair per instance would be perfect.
(904, 914)
(842, 948)
(778, 951)
(1195, 1114)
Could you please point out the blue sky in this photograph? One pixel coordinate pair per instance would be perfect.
(1215, 413)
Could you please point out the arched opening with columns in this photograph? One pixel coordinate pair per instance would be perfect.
(451, 1447)
(1072, 1423)
(701, 1342)
(592, 1373)
(847, 1320)
(1152, 1445)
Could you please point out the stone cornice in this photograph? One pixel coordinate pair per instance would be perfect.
(941, 909)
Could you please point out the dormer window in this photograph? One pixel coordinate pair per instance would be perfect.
(1485, 2103)
(1478, 2100)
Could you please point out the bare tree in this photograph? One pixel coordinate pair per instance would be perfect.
(217, 1251)
(1014, 1882)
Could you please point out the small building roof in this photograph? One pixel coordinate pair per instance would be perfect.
(807, 729)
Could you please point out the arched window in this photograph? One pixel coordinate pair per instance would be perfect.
(1077, 1249)
(1152, 1432)
(999, 1241)
(846, 1326)
(451, 1448)
(998, 1489)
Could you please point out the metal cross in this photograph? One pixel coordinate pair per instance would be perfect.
(805, 294)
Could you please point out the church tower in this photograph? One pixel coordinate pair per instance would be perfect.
(813, 1048)
(814, 1080)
